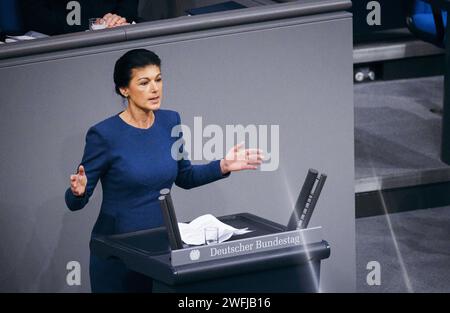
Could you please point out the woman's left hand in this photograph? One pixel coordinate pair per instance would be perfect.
(238, 159)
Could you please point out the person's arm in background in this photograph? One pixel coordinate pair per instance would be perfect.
(127, 9)
(45, 16)
(123, 13)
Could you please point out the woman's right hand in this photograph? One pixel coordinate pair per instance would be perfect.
(78, 182)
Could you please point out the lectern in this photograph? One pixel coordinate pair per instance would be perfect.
(271, 258)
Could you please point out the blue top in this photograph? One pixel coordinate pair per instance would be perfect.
(133, 165)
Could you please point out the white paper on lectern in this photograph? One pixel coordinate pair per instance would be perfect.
(19, 38)
(194, 234)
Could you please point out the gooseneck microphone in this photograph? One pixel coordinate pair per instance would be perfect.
(307, 200)
(170, 219)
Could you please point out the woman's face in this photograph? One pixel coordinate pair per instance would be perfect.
(145, 88)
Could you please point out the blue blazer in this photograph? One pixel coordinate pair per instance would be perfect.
(133, 165)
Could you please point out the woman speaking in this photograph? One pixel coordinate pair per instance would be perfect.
(130, 153)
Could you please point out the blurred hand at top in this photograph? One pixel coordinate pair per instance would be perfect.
(114, 20)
